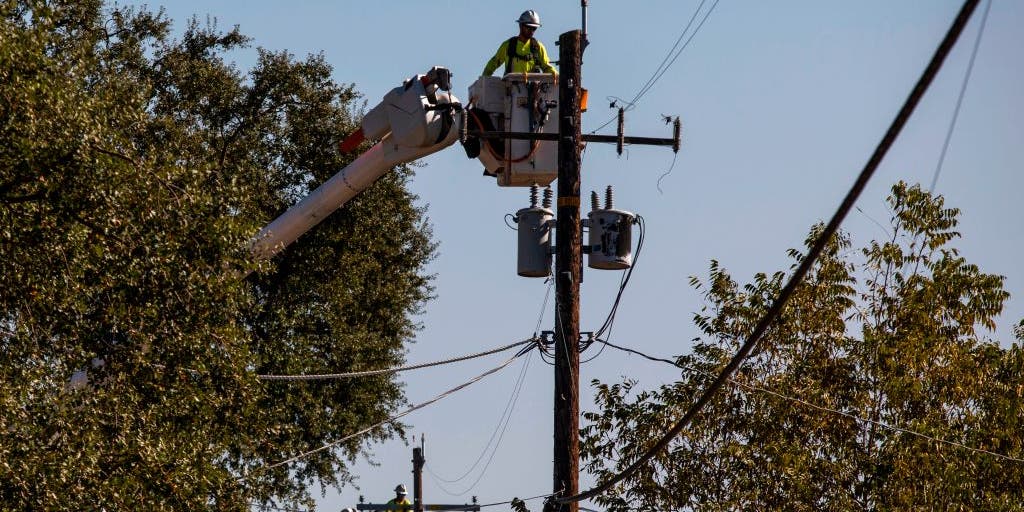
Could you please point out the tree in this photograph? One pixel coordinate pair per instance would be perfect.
(134, 169)
(890, 339)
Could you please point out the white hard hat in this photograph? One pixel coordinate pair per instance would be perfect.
(529, 18)
(400, 489)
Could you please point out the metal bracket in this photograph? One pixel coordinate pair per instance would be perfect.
(547, 337)
(586, 137)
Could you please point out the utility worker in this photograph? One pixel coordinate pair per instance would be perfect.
(522, 53)
(400, 502)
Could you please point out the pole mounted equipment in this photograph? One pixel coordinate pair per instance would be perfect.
(677, 132)
(611, 235)
(535, 227)
(621, 131)
(417, 477)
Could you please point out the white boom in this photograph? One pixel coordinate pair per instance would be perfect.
(414, 120)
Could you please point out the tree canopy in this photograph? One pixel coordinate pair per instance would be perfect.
(134, 169)
(876, 389)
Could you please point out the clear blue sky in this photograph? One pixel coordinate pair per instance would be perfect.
(781, 102)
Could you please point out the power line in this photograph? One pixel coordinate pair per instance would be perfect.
(367, 373)
(960, 98)
(543, 306)
(666, 173)
(505, 417)
(513, 399)
(540, 318)
(819, 245)
(606, 327)
(595, 356)
(760, 389)
(395, 417)
(502, 426)
(610, 320)
(641, 354)
(646, 89)
(663, 67)
(877, 423)
(650, 81)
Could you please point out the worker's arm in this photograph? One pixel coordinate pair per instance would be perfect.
(497, 60)
(545, 64)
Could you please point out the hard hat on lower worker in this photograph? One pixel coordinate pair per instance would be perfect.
(400, 489)
(529, 18)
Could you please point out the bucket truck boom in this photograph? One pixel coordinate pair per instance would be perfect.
(412, 121)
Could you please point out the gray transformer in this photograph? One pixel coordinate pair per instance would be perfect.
(535, 227)
(611, 239)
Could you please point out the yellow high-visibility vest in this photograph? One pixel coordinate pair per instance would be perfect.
(528, 57)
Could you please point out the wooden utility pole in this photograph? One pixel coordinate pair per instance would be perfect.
(569, 256)
(417, 477)
(418, 460)
(568, 273)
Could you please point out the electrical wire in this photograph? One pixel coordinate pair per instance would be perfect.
(623, 281)
(548, 356)
(510, 226)
(629, 105)
(663, 67)
(819, 245)
(650, 81)
(543, 307)
(595, 356)
(545, 353)
(395, 417)
(669, 171)
(503, 423)
(509, 405)
(367, 373)
(610, 321)
(960, 98)
(610, 318)
(513, 399)
(605, 329)
(872, 219)
(776, 394)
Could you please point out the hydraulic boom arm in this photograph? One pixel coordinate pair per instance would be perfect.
(413, 120)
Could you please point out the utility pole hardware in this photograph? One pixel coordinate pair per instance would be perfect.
(417, 477)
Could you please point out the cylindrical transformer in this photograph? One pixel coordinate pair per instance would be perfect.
(611, 239)
(534, 258)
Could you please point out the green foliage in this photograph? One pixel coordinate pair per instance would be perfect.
(134, 169)
(891, 337)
